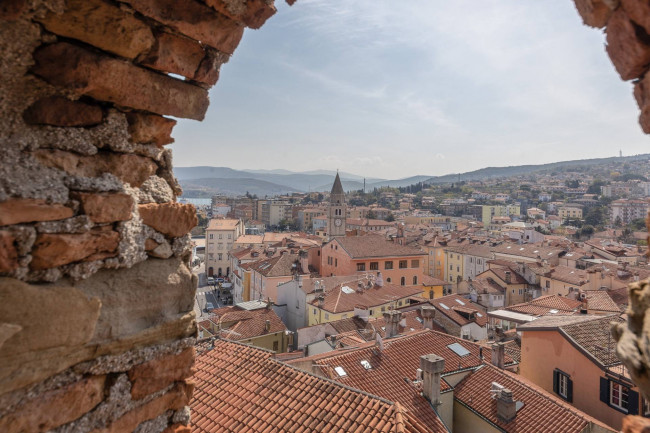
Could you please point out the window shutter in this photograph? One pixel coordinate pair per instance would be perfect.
(604, 390)
(569, 391)
(632, 403)
(555, 382)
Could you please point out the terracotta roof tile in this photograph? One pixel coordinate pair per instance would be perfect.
(541, 411)
(458, 309)
(374, 246)
(344, 297)
(243, 389)
(234, 323)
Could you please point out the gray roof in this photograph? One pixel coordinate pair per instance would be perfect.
(337, 188)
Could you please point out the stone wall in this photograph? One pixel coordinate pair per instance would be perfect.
(96, 296)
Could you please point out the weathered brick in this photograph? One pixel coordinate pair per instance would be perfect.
(208, 71)
(159, 373)
(112, 80)
(176, 398)
(629, 54)
(106, 208)
(177, 428)
(253, 13)
(175, 54)
(171, 219)
(132, 169)
(594, 13)
(55, 408)
(25, 210)
(60, 111)
(52, 250)
(150, 128)
(194, 19)
(8, 252)
(102, 25)
(639, 12)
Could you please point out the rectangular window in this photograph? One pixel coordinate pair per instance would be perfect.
(548, 284)
(211, 236)
(220, 256)
(451, 267)
(336, 262)
(327, 316)
(229, 235)
(361, 266)
(415, 263)
(388, 265)
(403, 264)
(220, 236)
(618, 395)
(374, 266)
(275, 346)
(383, 309)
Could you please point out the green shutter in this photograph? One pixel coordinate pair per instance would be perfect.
(632, 402)
(556, 381)
(604, 390)
(569, 391)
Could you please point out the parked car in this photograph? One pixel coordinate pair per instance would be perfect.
(220, 280)
(211, 281)
(209, 307)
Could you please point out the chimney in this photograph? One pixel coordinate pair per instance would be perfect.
(584, 307)
(508, 277)
(498, 334)
(321, 301)
(267, 326)
(432, 366)
(506, 406)
(498, 355)
(428, 313)
(379, 281)
(392, 319)
(299, 279)
(304, 261)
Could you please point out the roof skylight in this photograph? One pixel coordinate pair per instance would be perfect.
(444, 306)
(458, 349)
(460, 302)
(340, 371)
(366, 364)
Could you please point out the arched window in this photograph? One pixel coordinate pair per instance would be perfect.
(415, 280)
(430, 294)
(403, 281)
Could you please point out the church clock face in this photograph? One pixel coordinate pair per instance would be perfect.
(337, 222)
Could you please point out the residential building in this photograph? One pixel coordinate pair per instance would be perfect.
(574, 357)
(399, 264)
(626, 211)
(367, 225)
(460, 317)
(465, 260)
(436, 261)
(488, 212)
(570, 213)
(259, 327)
(529, 253)
(306, 216)
(433, 288)
(220, 236)
(370, 294)
(268, 274)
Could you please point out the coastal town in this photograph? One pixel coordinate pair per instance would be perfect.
(475, 306)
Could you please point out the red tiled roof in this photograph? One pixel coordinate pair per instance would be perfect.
(372, 245)
(541, 411)
(599, 300)
(453, 306)
(428, 280)
(544, 304)
(243, 389)
(234, 323)
(338, 301)
(399, 359)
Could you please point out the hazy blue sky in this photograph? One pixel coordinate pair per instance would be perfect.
(397, 88)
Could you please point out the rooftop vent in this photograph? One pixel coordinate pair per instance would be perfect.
(366, 364)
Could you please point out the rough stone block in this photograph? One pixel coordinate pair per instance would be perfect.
(639, 12)
(194, 19)
(253, 13)
(106, 208)
(635, 424)
(132, 169)
(157, 374)
(102, 25)
(25, 210)
(149, 128)
(54, 322)
(171, 219)
(629, 53)
(60, 111)
(11, 10)
(8, 252)
(175, 54)
(55, 408)
(149, 296)
(52, 250)
(112, 80)
(176, 398)
(594, 13)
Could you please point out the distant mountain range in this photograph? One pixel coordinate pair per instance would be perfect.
(206, 181)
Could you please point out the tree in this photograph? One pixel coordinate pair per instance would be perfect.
(638, 224)
(595, 216)
(371, 215)
(574, 183)
(390, 218)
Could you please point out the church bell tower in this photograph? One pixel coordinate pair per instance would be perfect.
(337, 210)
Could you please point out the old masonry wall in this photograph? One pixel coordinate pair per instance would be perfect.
(96, 296)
